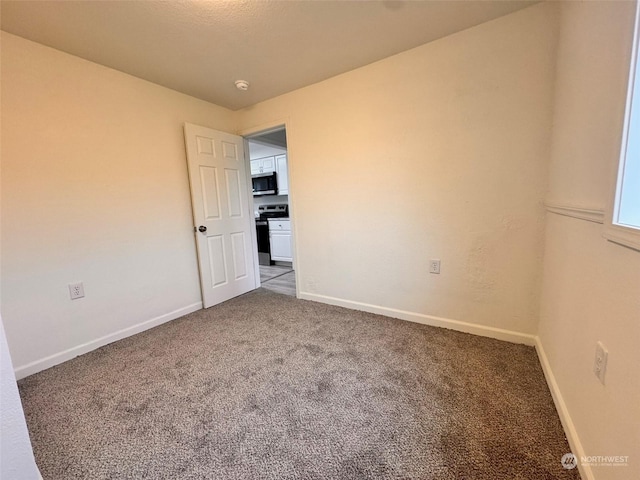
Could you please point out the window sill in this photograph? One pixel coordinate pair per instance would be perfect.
(625, 236)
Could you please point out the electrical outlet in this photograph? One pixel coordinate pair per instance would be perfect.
(76, 290)
(600, 362)
(434, 266)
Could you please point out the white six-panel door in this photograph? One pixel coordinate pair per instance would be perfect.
(223, 226)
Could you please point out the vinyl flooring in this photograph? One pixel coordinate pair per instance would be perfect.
(278, 279)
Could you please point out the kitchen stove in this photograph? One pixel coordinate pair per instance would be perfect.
(280, 210)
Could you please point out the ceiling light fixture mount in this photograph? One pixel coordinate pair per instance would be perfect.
(242, 85)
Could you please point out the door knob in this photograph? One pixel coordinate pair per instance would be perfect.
(202, 228)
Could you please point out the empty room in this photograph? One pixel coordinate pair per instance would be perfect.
(319, 240)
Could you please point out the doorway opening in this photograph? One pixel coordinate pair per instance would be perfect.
(268, 158)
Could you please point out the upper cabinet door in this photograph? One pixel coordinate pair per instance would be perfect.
(283, 175)
(255, 167)
(263, 165)
(268, 165)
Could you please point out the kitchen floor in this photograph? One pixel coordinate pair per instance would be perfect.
(279, 279)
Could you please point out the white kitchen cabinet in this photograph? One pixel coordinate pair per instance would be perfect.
(283, 175)
(280, 240)
(263, 165)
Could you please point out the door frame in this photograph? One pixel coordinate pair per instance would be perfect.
(247, 134)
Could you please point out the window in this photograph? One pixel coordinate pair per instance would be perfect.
(624, 224)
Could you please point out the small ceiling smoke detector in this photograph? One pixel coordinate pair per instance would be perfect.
(242, 85)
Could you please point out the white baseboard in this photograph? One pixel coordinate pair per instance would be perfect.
(481, 330)
(563, 412)
(55, 359)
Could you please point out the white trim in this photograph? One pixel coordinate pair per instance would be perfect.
(563, 412)
(264, 128)
(254, 233)
(475, 329)
(55, 359)
(595, 215)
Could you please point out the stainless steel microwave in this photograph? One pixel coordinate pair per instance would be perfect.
(265, 184)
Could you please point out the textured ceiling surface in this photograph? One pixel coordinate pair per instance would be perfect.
(201, 47)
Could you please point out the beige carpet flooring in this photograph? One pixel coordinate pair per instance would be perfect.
(266, 386)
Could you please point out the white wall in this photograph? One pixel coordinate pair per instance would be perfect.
(438, 152)
(259, 150)
(94, 189)
(590, 287)
(16, 456)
